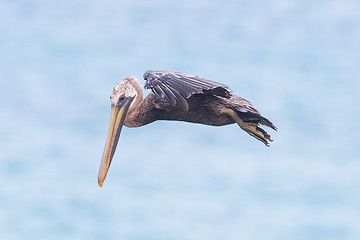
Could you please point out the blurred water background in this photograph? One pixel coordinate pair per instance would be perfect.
(297, 61)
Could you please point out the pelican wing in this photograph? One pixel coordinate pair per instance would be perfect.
(176, 87)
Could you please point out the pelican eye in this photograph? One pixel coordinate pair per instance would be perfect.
(122, 96)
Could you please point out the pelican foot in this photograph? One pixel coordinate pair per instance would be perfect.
(251, 128)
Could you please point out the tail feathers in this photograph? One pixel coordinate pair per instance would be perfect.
(250, 116)
(266, 122)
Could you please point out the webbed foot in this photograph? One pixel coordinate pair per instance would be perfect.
(250, 127)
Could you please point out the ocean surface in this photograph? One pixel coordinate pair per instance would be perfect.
(297, 61)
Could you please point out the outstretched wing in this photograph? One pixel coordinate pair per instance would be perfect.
(176, 87)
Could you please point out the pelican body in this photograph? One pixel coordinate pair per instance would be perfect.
(180, 97)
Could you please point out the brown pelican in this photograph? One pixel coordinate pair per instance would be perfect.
(177, 96)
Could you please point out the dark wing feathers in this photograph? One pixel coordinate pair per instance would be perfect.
(176, 87)
(158, 91)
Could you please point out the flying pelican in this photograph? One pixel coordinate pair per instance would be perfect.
(177, 96)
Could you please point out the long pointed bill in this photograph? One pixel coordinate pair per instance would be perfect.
(117, 117)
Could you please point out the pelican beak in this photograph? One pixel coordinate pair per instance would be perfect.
(118, 113)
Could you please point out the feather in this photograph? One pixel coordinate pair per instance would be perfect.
(176, 87)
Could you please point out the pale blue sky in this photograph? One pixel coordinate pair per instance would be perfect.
(297, 61)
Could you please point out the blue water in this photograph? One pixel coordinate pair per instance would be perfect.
(297, 61)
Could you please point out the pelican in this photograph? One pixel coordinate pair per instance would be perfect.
(181, 97)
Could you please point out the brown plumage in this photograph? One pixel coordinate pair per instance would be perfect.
(181, 97)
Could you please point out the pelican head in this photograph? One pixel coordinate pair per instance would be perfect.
(121, 102)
